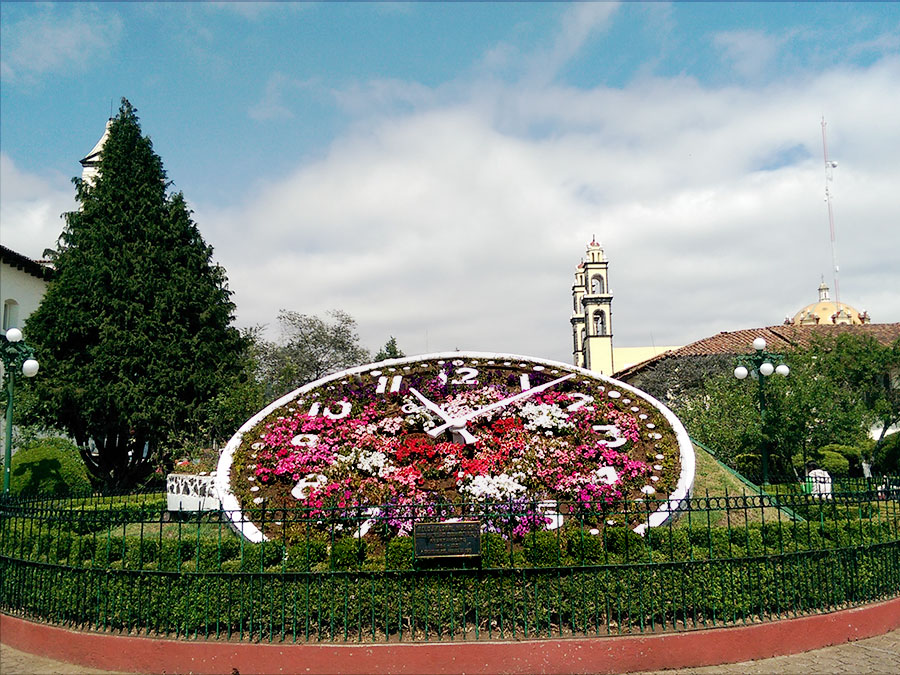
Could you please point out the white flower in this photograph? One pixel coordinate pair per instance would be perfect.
(502, 486)
(371, 462)
(545, 417)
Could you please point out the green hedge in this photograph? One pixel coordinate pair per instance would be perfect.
(435, 604)
(78, 540)
(49, 467)
(93, 566)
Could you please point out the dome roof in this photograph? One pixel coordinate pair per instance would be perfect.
(827, 311)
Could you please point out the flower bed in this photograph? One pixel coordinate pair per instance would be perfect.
(347, 442)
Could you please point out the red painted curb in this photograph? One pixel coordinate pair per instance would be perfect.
(560, 656)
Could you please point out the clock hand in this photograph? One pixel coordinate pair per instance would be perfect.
(499, 404)
(455, 425)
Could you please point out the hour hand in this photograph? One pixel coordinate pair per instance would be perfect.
(499, 404)
(457, 427)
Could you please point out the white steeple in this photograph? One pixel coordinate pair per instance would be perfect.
(91, 162)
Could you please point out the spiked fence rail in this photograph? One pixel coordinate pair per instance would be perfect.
(124, 564)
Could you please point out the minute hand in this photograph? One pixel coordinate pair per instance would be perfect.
(451, 422)
(437, 431)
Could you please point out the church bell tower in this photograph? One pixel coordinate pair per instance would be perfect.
(592, 312)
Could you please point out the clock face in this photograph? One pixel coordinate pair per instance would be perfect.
(424, 433)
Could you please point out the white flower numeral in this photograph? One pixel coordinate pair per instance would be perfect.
(466, 376)
(345, 407)
(583, 400)
(382, 384)
(305, 440)
(613, 431)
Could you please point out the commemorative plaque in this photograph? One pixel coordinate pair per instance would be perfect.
(447, 540)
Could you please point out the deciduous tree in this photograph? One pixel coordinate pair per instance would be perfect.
(310, 347)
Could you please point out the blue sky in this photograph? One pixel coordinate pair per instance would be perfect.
(436, 169)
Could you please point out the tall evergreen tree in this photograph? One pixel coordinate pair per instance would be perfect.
(134, 333)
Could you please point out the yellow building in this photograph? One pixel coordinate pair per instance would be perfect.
(827, 311)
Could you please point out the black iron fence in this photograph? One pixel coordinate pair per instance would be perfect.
(353, 575)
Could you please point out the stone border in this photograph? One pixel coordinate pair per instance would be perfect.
(555, 657)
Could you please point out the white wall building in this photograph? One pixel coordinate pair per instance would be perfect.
(23, 282)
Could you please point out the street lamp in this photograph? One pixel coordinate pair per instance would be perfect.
(16, 356)
(760, 366)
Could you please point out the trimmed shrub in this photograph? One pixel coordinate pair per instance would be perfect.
(399, 554)
(49, 467)
(306, 554)
(849, 452)
(494, 550)
(835, 463)
(586, 548)
(625, 542)
(542, 549)
(348, 553)
(747, 464)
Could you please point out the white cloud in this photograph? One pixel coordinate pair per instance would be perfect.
(58, 40)
(30, 208)
(454, 222)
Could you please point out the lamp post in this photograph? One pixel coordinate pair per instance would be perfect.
(760, 366)
(16, 356)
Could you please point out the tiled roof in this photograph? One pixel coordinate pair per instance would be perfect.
(19, 261)
(778, 338)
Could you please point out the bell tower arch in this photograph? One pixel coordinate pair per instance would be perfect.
(592, 312)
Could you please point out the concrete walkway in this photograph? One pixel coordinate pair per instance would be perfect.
(873, 656)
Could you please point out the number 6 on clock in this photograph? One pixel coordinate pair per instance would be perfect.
(613, 431)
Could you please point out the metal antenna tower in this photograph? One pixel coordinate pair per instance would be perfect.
(830, 166)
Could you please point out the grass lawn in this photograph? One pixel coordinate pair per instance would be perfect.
(715, 480)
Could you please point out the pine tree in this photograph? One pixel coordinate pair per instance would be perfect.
(134, 333)
(390, 350)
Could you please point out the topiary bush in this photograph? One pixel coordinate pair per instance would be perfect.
(849, 452)
(834, 463)
(49, 467)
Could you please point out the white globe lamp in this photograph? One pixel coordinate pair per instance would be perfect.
(30, 368)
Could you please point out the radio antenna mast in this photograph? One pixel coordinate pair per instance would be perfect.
(830, 166)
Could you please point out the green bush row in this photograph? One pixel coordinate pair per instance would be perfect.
(438, 604)
(92, 514)
(78, 543)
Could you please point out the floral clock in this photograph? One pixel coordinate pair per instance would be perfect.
(414, 438)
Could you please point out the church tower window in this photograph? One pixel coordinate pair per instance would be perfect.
(600, 323)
